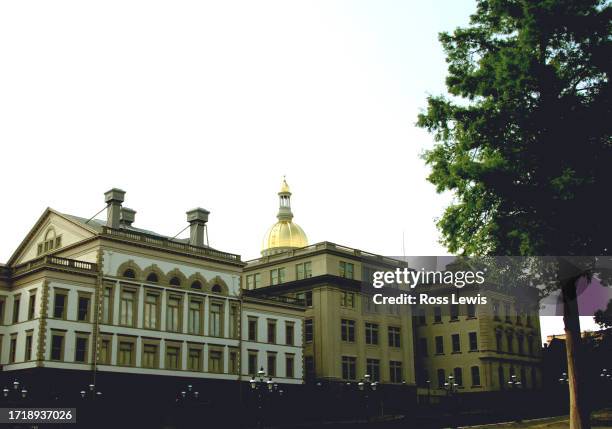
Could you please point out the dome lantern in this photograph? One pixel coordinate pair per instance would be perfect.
(284, 234)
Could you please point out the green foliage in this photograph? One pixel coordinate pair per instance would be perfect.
(604, 318)
(523, 140)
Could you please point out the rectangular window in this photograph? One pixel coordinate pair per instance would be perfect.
(439, 345)
(475, 376)
(151, 309)
(471, 311)
(347, 299)
(277, 276)
(272, 331)
(16, 301)
(371, 333)
(127, 308)
(215, 320)
(395, 372)
(306, 297)
(195, 317)
(289, 366)
(234, 320)
(441, 379)
(473, 341)
(57, 347)
(173, 357)
(348, 330)
(456, 341)
(59, 306)
(149, 356)
(104, 356)
(507, 313)
(394, 336)
(303, 271)
(349, 367)
(252, 363)
(233, 361)
(28, 347)
(194, 359)
(510, 344)
(495, 310)
(173, 314)
(437, 314)
(32, 306)
(2, 306)
(13, 350)
(454, 312)
(272, 364)
(309, 366)
(80, 349)
(215, 361)
(249, 282)
(83, 310)
(257, 280)
(373, 368)
(289, 335)
(308, 330)
(423, 347)
(107, 305)
(521, 344)
(126, 353)
(422, 317)
(252, 325)
(458, 373)
(346, 269)
(498, 341)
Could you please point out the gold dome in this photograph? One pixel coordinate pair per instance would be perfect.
(284, 234)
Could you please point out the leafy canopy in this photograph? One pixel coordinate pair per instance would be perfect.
(523, 140)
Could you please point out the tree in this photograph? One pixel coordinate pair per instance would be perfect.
(523, 141)
(604, 317)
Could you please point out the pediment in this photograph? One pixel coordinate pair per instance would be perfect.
(52, 231)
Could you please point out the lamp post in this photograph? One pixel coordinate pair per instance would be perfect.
(514, 382)
(187, 396)
(563, 379)
(367, 386)
(450, 386)
(91, 394)
(606, 374)
(263, 388)
(17, 394)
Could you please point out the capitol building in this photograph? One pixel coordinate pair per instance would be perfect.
(105, 302)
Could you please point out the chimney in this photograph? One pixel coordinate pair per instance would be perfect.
(127, 216)
(113, 199)
(197, 219)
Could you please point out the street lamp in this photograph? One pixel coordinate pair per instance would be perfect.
(91, 394)
(563, 379)
(263, 387)
(366, 385)
(606, 375)
(188, 395)
(451, 386)
(514, 382)
(17, 393)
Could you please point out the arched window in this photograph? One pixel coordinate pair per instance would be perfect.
(196, 285)
(216, 288)
(175, 281)
(129, 273)
(152, 278)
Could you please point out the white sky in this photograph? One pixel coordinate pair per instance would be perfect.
(196, 103)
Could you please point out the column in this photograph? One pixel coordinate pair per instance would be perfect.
(116, 306)
(206, 318)
(162, 313)
(185, 316)
(140, 308)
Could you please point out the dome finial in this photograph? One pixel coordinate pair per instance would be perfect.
(284, 185)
